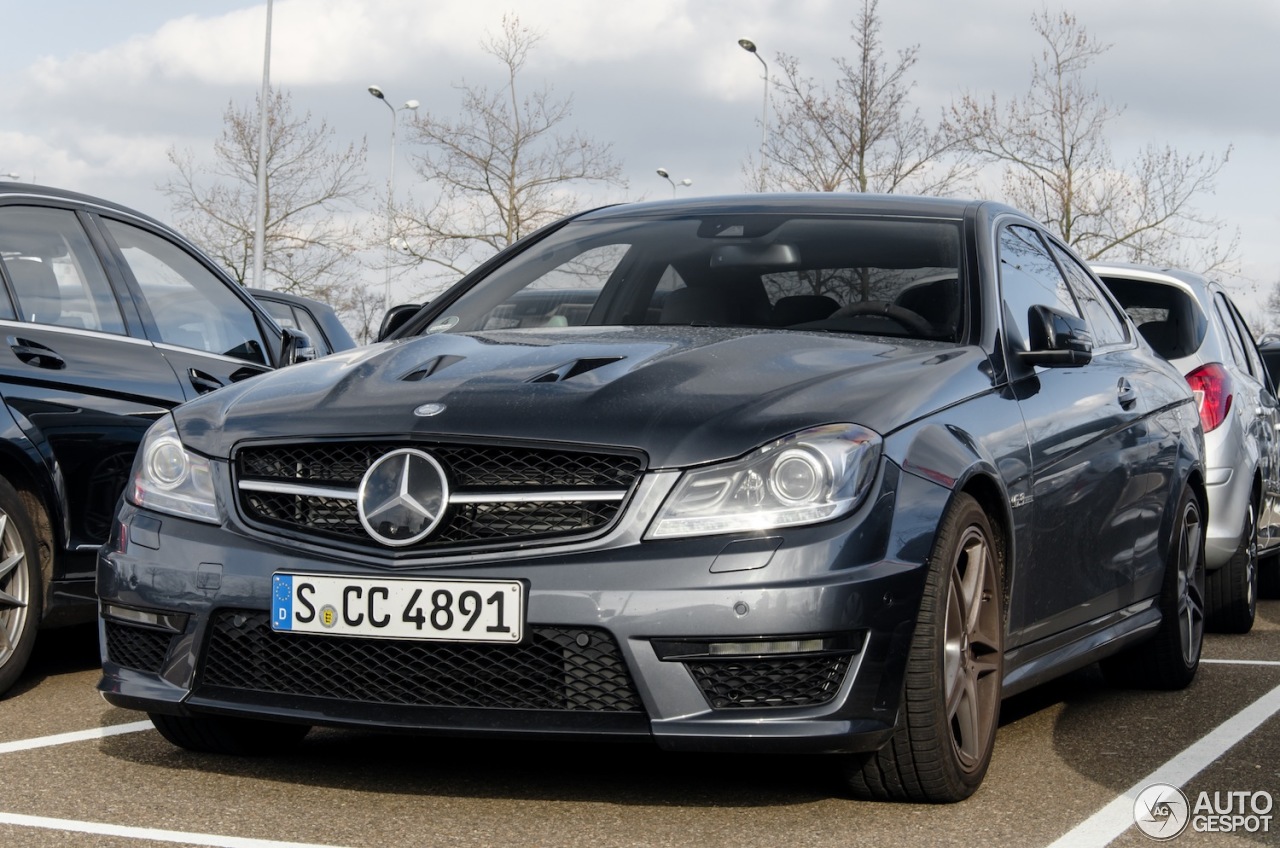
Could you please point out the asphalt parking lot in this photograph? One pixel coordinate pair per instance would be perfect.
(1070, 758)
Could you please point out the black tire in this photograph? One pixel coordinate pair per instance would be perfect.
(1170, 658)
(947, 722)
(1269, 577)
(1231, 592)
(20, 590)
(242, 737)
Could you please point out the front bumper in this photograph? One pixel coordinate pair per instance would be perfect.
(613, 635)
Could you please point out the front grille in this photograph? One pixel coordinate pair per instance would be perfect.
(555, 668)
(140, 648)
(499, 494)
(770, 682)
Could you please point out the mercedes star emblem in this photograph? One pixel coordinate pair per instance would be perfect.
(402, 497)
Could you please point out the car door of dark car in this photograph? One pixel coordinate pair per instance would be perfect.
(1094, 454)
(208, 333)
(81, 388)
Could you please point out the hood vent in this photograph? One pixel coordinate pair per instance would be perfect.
(574, 369)
(430, 367)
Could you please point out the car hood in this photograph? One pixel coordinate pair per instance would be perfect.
(682, 395)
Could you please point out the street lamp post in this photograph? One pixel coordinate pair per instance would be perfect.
(662, 172)
(391, 187)
(750, 46)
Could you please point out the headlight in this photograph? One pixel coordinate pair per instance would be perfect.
(169, 478)
(811, 476)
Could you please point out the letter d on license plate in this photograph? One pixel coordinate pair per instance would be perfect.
(399, 608)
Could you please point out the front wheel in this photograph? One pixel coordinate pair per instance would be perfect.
(225, 735)
(946, 729)
(19, 586)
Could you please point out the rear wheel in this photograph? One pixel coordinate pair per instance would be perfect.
(19, 586)
(224, 735)
(1170, 658)
(1231, 592)
(946, 729)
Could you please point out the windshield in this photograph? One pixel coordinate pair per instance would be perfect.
(883, 276)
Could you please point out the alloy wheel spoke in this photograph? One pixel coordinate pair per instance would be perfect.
(8, 601)
(10, 564)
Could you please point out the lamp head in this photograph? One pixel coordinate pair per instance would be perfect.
(662, 172)
(747, 45)
(411, 104)
(377, 92)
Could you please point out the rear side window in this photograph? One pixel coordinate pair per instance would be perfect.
(53, 271)
(1242, 344)
(191, 306)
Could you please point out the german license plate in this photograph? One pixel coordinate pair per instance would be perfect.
(396, 608)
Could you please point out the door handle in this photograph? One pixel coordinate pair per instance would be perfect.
(202, 382)
(34, 353)
(1126, 394)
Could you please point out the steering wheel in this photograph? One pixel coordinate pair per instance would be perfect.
(900, 315)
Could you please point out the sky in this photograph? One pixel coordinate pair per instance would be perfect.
(93, 95)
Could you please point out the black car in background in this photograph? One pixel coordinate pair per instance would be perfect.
(800, 473)
(109, 319)
(317, 320)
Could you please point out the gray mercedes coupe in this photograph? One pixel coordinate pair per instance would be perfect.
(771, 473)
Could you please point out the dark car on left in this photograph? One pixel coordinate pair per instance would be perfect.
(109, 319)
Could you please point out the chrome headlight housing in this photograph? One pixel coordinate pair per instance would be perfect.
(811, 476)
(169, 478)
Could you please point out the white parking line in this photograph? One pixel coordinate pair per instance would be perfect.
(1117, 817)
(1242, 662)
(77, 736)
(99, 829)
(102, 829)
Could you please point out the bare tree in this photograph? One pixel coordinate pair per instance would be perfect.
(862, 136)
(311, 237)
(505, 166)
(1058, 164)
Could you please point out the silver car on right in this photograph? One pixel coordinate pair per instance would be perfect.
(1192, 322)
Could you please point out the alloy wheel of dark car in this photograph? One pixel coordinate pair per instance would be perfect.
(19, 579)
(942, 746)
(1170, 659)
(1231, 592)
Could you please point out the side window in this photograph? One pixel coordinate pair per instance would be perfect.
(1107, 326)
(1247, 343)
(191, 306)
(1232, 333)
(54, 272)
(292, 318)
(1029, 277)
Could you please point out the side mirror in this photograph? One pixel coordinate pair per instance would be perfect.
(396, 317)
(296, 346)
(1058, 339)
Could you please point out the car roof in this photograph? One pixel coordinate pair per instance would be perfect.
(1152, 273)
(801, 203)
(12, 189)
